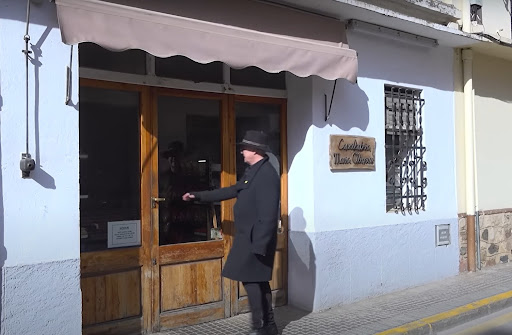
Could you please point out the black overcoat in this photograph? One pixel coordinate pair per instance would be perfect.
(256, 212)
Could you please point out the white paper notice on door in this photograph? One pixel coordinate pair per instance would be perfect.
(123, 233)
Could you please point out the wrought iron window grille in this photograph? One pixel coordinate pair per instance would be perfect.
(405, 165)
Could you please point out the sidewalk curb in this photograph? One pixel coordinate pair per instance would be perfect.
(442, 321)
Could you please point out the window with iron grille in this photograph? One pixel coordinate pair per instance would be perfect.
(405, 165)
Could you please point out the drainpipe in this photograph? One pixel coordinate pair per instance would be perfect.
(467, 59)
(466, 16)
(478, 255)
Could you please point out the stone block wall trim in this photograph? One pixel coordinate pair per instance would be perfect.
(463, 245)
(496, 211)
(495, 238)
(488, 212)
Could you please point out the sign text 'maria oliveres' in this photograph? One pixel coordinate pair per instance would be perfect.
(351, 152)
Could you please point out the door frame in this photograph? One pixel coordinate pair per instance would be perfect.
(94, 262)
(106, 261)
(279, 298)
(181, 318)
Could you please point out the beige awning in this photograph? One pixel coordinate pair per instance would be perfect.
(239, 33)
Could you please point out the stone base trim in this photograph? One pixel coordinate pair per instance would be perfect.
(496, 211)
(495, 238)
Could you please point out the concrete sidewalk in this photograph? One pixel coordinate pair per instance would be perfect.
(425, 309)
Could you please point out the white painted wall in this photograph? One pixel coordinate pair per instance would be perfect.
(359, 110)
(459, 131)
(40, 214)
(492, 79)
(352, 248)
(496, 18)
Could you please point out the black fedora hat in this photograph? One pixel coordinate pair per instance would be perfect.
(175, 148)
(255, 140)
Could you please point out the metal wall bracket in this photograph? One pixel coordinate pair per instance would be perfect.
(328, 112)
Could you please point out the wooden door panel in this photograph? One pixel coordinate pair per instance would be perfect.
(243, 106)
(190, 284)
(116, 291)
(109, 261)
(133, 326)
(281, 241)
(111, 296)
(187, 284)
(188, 287)
(192, 316)
(179, 253)
(277, 273)
(90, 305)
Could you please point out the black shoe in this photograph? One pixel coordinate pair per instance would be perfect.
(271, 329)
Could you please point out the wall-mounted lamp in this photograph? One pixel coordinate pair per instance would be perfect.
(27, 164)
(390, 33)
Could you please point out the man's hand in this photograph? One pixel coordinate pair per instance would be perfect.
(187, 197)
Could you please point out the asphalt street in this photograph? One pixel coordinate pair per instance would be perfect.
(499, 323)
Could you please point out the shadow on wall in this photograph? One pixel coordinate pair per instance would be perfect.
(302, 263)
(398, 62)
(12, 10)
(349, 107)
(395, 62)
(41, 15)
(492, 78)
(349, 110)
(39, 175)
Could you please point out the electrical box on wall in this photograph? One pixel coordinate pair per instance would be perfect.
(442, 234)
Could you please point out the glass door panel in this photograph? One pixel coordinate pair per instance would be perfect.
(189, 159)
(114, 284)
(259, 116)
(187, 283)
(109, 162)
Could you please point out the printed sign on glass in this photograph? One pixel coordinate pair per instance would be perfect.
(123, 233)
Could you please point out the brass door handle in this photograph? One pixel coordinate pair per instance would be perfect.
(155, 200)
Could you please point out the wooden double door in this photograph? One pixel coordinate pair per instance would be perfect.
(141, 148)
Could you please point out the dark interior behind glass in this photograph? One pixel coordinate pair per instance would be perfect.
(109, 162)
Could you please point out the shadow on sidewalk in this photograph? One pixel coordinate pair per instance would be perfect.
(286, 315)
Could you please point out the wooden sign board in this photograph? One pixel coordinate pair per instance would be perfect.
(351, 152)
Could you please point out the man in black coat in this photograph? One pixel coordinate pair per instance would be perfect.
(256, 212)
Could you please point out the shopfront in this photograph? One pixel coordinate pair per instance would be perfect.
(151, 146)
(155, 124)
(129, 103)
